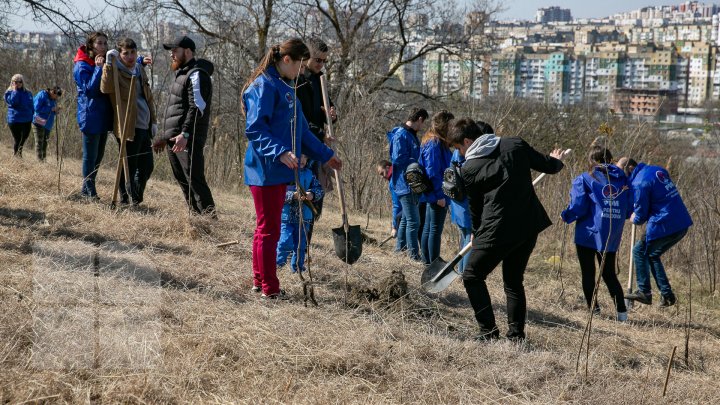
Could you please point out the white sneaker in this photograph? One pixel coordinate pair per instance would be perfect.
(622, 316)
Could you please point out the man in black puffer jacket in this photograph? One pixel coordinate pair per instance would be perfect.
(506, 217)
(187, 119)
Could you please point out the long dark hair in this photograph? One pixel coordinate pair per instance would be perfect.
(598, 155)
(439, 127)
(90, 42)
(295, 48)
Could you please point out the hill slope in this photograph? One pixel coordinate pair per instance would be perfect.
(140, 306)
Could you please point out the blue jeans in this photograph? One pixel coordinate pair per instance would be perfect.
(407, 235)
(93, 150)
(465, 235)
(288, 245)
(432, 232)
(647, 260)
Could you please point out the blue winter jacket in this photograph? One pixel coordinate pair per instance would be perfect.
(460, 211)
(20, 106)
(43, 105)
(270, 107)
(309, 183)
(94, 111)
(435, 158)
(657, 202)
(600, 202)
(404, 149)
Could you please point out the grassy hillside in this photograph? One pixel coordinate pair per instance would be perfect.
(140, 306)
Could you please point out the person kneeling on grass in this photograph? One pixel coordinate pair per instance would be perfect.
(600, 202)
(657, 202)
(293, 237)
(507, 217)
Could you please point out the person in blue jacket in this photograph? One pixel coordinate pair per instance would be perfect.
(293, 237)
(657, 202)
(45, 107)
(20, 112)
(94, 112)
(384, 170)
(435, 157)
(405, 149)
(460, 214)
(600, 202)
(277, 134)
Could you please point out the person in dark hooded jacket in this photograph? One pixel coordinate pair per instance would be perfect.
(506, 217)
(187, 120)
(600, 202)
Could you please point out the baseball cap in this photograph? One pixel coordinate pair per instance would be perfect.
(181, 42)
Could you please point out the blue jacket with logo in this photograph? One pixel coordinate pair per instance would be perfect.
(657, 202)
(271, 108)
(435, 158)
(600, 202)
(309, 183)
(20, 106)
(404, 149)
(460, 211)
(43, 105)
(94, 112)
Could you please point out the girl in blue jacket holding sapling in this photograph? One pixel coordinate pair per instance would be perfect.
(20, 112)
(277, 133)
(600, 202)
(45, 107)
(460, 214)
(292, 236)
(435, 158)
(94, 112)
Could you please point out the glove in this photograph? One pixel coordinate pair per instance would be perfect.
(153, 130)
(113, 53)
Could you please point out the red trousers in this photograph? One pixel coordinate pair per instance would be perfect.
(269, 202)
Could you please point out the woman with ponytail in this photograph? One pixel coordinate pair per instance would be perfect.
(277, 135)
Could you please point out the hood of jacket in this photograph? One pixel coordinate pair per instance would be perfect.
(82, 56)
(607, 170)
(482, 146)
(205, 65)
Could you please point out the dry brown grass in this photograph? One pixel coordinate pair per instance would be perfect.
(170, 318)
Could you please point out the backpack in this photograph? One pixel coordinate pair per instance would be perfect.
(417, 179)
(453, 185)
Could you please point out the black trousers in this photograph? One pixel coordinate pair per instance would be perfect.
(480, 264)
(140, 166)
(587, 257)
(20, 132)
(188, 168)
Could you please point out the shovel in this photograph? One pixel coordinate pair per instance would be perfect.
(347, 239)
(439, 274)
(629, 303)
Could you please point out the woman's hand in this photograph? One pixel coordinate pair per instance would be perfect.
(99, 60)
(441, 203)
(335, 163)
(557, 153)
(290, 160)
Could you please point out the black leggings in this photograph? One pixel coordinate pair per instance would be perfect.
(20, 132)
(587, 257)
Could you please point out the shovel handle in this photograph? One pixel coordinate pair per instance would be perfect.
(630, 260)
(331, 133)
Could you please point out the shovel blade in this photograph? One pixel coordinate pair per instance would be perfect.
(438, 276)
(348, 247)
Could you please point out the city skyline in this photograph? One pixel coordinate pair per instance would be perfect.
(513, 9)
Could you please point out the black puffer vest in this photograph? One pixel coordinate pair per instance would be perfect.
(178, 105)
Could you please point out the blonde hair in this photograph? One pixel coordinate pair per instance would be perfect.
(16, 76)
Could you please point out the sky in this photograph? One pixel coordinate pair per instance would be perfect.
(514, 9)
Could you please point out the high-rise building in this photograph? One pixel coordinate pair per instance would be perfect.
(553, 14)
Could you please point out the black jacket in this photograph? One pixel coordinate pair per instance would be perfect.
(504, 208)
(309, 92)
(184, 113)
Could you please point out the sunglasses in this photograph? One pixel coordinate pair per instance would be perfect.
(18, 81)
(319, 60)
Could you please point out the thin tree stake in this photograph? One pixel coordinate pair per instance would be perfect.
(669, 367)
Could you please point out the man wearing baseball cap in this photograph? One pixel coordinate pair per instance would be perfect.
(187, 121)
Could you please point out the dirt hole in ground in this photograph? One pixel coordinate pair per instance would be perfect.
(387, 290)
